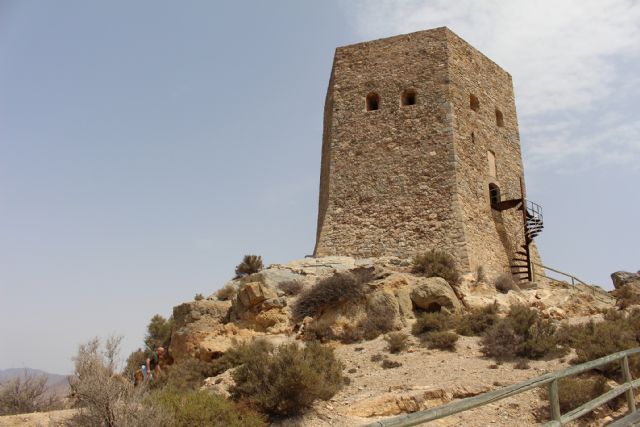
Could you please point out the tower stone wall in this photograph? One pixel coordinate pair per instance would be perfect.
(416, 128)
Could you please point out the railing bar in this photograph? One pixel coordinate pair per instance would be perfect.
(631, 399)
(593, 404)
(554, 401)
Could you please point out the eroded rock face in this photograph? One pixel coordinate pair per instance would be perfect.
(189, 312)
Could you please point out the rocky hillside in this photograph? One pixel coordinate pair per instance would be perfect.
(266, 304)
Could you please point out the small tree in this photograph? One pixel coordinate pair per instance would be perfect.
(250, 264)
(159, 332)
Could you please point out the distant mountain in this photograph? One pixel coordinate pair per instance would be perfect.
(57, 384)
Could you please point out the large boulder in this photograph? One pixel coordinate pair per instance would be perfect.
(433, 294)
(623, 278)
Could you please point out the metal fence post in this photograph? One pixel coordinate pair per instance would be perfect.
(631, 399)
(554, 400)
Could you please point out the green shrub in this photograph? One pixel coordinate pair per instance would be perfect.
(476, 321)
(522, 333)
(200, 408)
(250, 264)
(396, 342)
(436, 264)
(430, 322)
(500, 341)
(443, 340)
(337, 289)
(291, 287)
(505, 283)
(289, 379)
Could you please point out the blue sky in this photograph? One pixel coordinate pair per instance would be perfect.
(146, 146)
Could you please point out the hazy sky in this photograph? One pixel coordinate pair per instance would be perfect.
(146, 146)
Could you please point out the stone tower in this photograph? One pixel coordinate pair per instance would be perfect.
(420, 132)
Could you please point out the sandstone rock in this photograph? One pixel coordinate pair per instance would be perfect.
(271, 277)
(405, 305)
(251, 294)
(384, 304)
(205, 339)
(433, 293)
(278, 302)
(394, 403)
(622, 278)
(194, 310)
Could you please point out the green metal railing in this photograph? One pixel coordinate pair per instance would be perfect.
(574, 279)
(549, 380)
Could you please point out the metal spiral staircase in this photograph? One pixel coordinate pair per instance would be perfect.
(533, 224)
(521, 263)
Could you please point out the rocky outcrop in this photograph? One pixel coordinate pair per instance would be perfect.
(623, 278)
(627, 289)
(258, 307)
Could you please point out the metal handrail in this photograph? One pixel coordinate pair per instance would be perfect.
(551, 380)
(574, 279)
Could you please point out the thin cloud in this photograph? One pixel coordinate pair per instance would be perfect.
(570, 61)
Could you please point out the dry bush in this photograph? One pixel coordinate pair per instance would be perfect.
(436, 264)
(291, 287)
(250, 264)
(105, 398)
(430, 322)
(522, 364)
(522, 333)
(594, 340)
(505, 283)
(377, 357)
(442, 340)
(626, 296)
(187, 375)
(481, 276)
(227, 292)
(390, 364)
(26, 393)
(477, 320)
(397, 342)
(200, 408)
(289, 379)
(337, 289)
(576, 391)
(198, 297)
